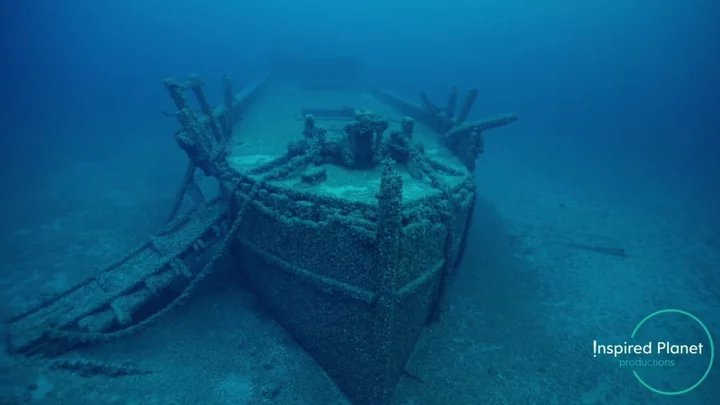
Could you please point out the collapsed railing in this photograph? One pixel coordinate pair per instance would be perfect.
(464, 139)
(113, 302)
(204, 137)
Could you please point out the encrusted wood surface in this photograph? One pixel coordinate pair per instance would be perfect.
(124, 285)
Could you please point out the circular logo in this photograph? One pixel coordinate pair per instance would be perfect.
(712, 351)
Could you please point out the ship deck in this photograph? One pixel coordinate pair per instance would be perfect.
(277, 118)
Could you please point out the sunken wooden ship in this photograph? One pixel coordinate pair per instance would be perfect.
(345, 209)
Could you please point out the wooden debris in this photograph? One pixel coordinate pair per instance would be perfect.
(466, 140)
(452, 102)
(617, 252)
(429, 105)
(90, 368)
(481, 125)
(467, 105)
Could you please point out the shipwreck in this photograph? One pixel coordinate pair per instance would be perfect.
(345, 209)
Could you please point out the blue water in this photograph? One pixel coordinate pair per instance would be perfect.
(616, 146)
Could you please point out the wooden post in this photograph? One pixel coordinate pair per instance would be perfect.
(195, 83)
(452, 102)
(389, 232)
(407, 125)
(467, 105)
(428, 104)
(229, 117)
(176, 92)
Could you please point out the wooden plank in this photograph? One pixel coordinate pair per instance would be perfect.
(100, 290)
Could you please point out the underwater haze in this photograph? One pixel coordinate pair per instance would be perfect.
(596, 209)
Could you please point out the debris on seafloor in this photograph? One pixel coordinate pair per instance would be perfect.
(90, 368)
(617, 252)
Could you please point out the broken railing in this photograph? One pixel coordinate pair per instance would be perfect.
(463, 138)
(204, 134)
